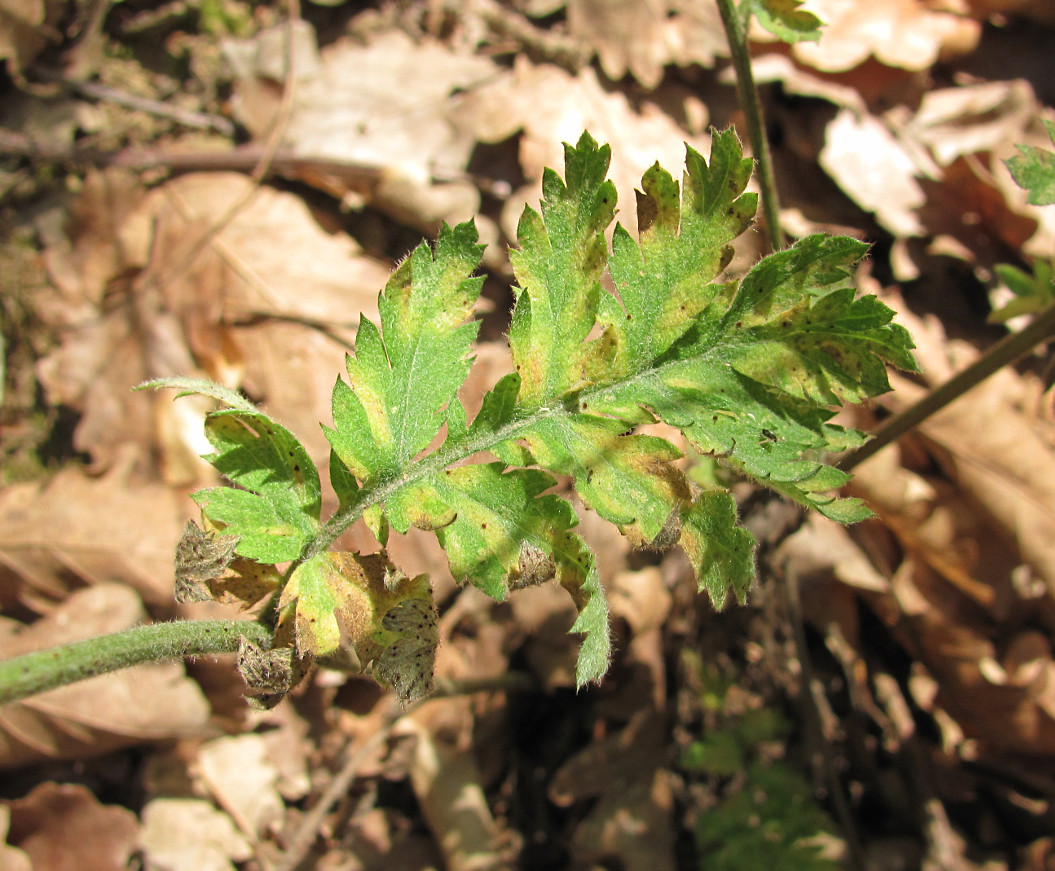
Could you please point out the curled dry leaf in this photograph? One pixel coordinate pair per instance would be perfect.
(407, 663)
(145, 703)
(977, 543)
(201, 557)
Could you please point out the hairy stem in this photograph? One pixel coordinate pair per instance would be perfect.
(1003, 353)
(43, 670)
(736, 33)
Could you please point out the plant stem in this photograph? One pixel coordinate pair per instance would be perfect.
(43, 670)
(736, 32)
(1003, 353)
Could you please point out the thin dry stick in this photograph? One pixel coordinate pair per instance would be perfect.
(1003, 353)
(301, 841)
(97, 91)
(244, 158)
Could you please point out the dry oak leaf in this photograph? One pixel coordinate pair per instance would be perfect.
(261, 305)
(79, 529)
(642, 36)
(394, 117)
(243, 780)
(910, 34)
(63, 827)
(876, 169)
(92, 717)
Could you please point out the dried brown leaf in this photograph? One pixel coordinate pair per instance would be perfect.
(189, 834)
(243, 779)
(393, 118)
(633, 816)
(63, 827)
(262, 304)
(77, 529)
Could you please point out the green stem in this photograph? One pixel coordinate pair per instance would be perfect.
(1003, 353)
(736, 32)
(43, 670)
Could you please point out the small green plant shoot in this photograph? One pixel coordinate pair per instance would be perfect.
(750, 371)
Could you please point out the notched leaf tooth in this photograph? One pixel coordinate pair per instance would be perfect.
(669, 535)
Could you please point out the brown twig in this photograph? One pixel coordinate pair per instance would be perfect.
(245, 158)
(97, 91)
(565, 51)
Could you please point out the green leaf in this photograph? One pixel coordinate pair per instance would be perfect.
(786, 20)
(747, 371)
(1034, 170)
(277, 512)
(664, 279)
(404, 376)
(558, 266)
(387, 619)
(501, 532)
(321, 591)
(1033, 293)
(721, 553)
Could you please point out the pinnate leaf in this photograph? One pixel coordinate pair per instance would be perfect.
(750, 371)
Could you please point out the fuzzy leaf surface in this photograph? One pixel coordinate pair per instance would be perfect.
(750, 371)
(407, 373)
(275, 509)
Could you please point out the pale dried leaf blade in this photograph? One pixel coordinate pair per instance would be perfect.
(77, 529)
(189, 834)
(65, 826)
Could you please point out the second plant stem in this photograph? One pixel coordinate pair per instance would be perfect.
(736, 32)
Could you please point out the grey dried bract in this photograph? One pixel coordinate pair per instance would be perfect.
(201, 557)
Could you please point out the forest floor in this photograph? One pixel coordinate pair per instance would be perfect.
(221, 187)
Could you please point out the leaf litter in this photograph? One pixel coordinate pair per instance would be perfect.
(954, 575)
